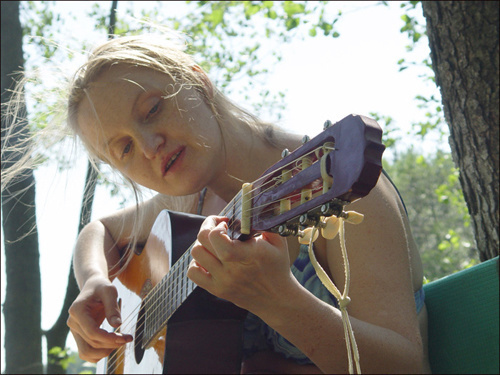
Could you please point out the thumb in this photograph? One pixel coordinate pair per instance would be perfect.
(109, 298)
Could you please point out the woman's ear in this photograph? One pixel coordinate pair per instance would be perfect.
(209, 88)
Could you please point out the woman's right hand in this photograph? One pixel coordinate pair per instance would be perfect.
(97, 301)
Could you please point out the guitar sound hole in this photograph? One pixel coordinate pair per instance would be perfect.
(139, 334)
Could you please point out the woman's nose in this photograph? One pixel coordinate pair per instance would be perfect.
(151, 145)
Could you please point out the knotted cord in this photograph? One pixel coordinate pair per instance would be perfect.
(343, 298)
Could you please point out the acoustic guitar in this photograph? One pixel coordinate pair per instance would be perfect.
(179, 327)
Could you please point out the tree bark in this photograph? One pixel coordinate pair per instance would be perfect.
(464, 44)
(22, 306)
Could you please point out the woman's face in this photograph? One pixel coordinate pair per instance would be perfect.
(171, 145)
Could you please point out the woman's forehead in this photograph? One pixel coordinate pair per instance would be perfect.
(124, 75)
(118, 86)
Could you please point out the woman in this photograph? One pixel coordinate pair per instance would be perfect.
(145, 108)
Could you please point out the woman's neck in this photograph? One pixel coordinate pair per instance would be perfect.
(247, 157)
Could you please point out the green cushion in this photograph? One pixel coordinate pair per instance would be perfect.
(463, 321)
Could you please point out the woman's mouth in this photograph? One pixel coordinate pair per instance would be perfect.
(167, 164)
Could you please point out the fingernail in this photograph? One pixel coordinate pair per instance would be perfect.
(115, 320)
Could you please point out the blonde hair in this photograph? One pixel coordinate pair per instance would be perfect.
(158, 53)
(164, 56)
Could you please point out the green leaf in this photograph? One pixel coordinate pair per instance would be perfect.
(251, 9)
(292, 8)
(291, 23)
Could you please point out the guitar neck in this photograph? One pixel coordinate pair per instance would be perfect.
(337, 167)
(173, 290)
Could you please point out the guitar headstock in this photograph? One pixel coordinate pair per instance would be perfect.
(338, 166)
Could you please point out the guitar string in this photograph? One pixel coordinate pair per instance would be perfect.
(159, 289)
(183, 290)
(270, 182)
(230, 207)
(169, 297)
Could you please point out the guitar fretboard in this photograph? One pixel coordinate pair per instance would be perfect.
(171, 292)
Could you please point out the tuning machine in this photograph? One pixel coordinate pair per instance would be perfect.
(329, 225)
(303, 235)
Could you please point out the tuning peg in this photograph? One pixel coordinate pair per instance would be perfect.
(305, 139)
(330, 227)
(285, 153)
(353, 217)
(305, 236)
(327, 124)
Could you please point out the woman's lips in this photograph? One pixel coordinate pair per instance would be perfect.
(169, 161)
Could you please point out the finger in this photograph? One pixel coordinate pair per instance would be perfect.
(89, 353)
(101, 339)
(205, 257)
(109, 298)
(226, 249)
(85, 326)
(199, 275)
(208, 225)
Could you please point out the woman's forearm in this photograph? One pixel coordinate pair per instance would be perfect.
(95, 253)
(316, 329)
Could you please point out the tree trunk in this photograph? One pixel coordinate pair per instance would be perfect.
(464, 44)
(22, 307)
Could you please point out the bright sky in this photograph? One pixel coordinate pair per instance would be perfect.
(325, 78)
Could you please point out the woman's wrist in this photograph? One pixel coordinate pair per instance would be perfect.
(284, 305)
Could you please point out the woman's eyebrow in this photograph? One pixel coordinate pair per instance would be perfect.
(111, 140)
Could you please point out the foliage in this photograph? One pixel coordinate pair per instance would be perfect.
(226, 38)
(391, 135)
(70, 361)
(60, 356)
(431, 106)
(436, 209)
(432, 124)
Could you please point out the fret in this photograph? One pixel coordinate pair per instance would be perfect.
(184, 269)
(170, 296)
(176, 288)
(168, 305)
(162, 303)
(183, 295)
(230, 211)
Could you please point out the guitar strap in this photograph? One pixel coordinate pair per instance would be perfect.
(201, 200)
(395, 188)
(205, 334)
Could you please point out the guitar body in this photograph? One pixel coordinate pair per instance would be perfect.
(204, 327)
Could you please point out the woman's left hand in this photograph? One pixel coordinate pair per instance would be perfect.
(250, 274)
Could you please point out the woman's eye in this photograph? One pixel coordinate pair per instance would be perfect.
(154, 109)
(127, 148)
